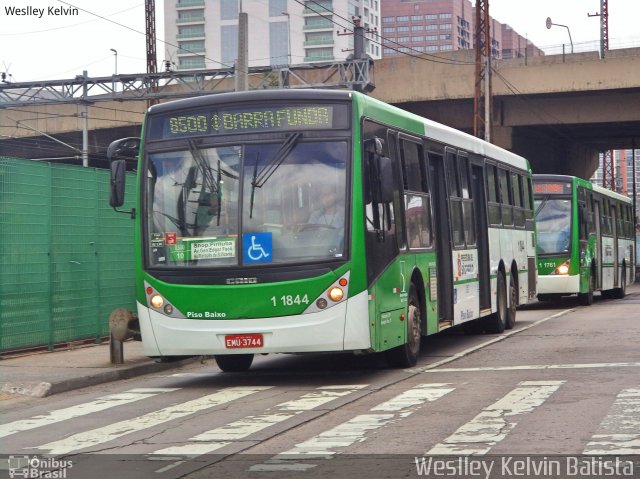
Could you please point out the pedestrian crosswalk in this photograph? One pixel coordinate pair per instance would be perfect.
(372, 409)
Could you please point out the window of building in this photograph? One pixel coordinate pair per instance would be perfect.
(402, 39)
(431, 38)
(229, 9)
(432, 48)
(432, 27)
(445, 26)
(402, 19)
(191, 62)
(276, 7)
(445, 37)
(229, 44)
(444, 16)
(417, 28)
(388, 19)
(388, 29)
(416, 18)
(278, 43)
(431, 16)
(403, 29)
(417, 39)
(191, 47)
(191, 31)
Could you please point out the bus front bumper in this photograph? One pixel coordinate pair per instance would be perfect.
(343, 327)
(558, 284)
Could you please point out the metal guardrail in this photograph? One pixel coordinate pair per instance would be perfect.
(353, 74)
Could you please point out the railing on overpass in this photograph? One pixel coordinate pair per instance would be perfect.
(352, 74)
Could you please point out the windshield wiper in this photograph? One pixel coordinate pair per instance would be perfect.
(278, 157)
(259, 179)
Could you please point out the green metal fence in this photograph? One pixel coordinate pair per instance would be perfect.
(66, 258)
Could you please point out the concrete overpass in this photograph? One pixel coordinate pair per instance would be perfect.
(558, 111)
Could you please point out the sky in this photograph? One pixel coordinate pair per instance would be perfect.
(62, 46)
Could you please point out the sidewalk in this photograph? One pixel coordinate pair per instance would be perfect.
(47, 373)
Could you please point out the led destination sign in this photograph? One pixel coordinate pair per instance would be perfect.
(247, 120)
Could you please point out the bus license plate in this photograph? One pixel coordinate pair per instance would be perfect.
(232, 341)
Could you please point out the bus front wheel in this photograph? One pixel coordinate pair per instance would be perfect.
(586, 299)
(234, 363)
(407, 355)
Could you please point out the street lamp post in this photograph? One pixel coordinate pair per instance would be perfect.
(550, 24)
(115, 54)
(288, 37)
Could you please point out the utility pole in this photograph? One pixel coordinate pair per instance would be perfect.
(482, 93)
(242, 63)
(608, 170)
(150, 21)
(604, 26)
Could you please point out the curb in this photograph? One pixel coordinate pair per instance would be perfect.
(43, 389)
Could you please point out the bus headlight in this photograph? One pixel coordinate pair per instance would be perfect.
(157, 301)
(336, 294)
(563, 269)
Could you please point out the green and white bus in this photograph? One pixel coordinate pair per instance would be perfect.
(239, 252)
(585, 239)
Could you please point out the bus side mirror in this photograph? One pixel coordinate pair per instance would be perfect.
(116, 193)
(124, 148)
(385, 171)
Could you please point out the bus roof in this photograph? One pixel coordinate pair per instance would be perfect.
(368, 106)
(581, 182)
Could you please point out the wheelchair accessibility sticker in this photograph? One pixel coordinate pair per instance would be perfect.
(257, 248)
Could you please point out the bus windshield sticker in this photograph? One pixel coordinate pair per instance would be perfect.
(202, 248)
(257, 247)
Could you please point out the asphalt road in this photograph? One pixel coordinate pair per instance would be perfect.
(564, 383)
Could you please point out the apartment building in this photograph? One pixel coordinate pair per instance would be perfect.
(431, 26)
(204, 33)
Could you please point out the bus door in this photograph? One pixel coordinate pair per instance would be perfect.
(443, 237)
(614, 232)
(480, 210)
(597, 220)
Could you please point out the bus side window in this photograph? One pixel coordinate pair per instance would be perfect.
(518, 210)
(468, 215)
(505, 197)
(492, 196)
(455, 200)
(583, 221)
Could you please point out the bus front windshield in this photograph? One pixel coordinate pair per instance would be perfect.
(254, 204)
(553, 220)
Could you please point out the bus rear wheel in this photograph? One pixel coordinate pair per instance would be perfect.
(407, 355)
(234, 363)
(621, 292)
(497, 322)
(513, 303)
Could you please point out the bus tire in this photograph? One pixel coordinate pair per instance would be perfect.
(586, 299)
(513, 303)
(407, 355)
(621, 292)
(234, 363)
(497, 322)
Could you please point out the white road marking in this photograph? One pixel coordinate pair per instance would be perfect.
(472, 349)
(99, 404)
(122, 428)
(527, 367)
(620, 429)
(493, 424)
(355, 430)
(235, 431)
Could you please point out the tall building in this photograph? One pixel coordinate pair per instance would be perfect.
(431, 26)
(204, 33)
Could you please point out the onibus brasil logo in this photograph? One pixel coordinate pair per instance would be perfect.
(38, 467)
